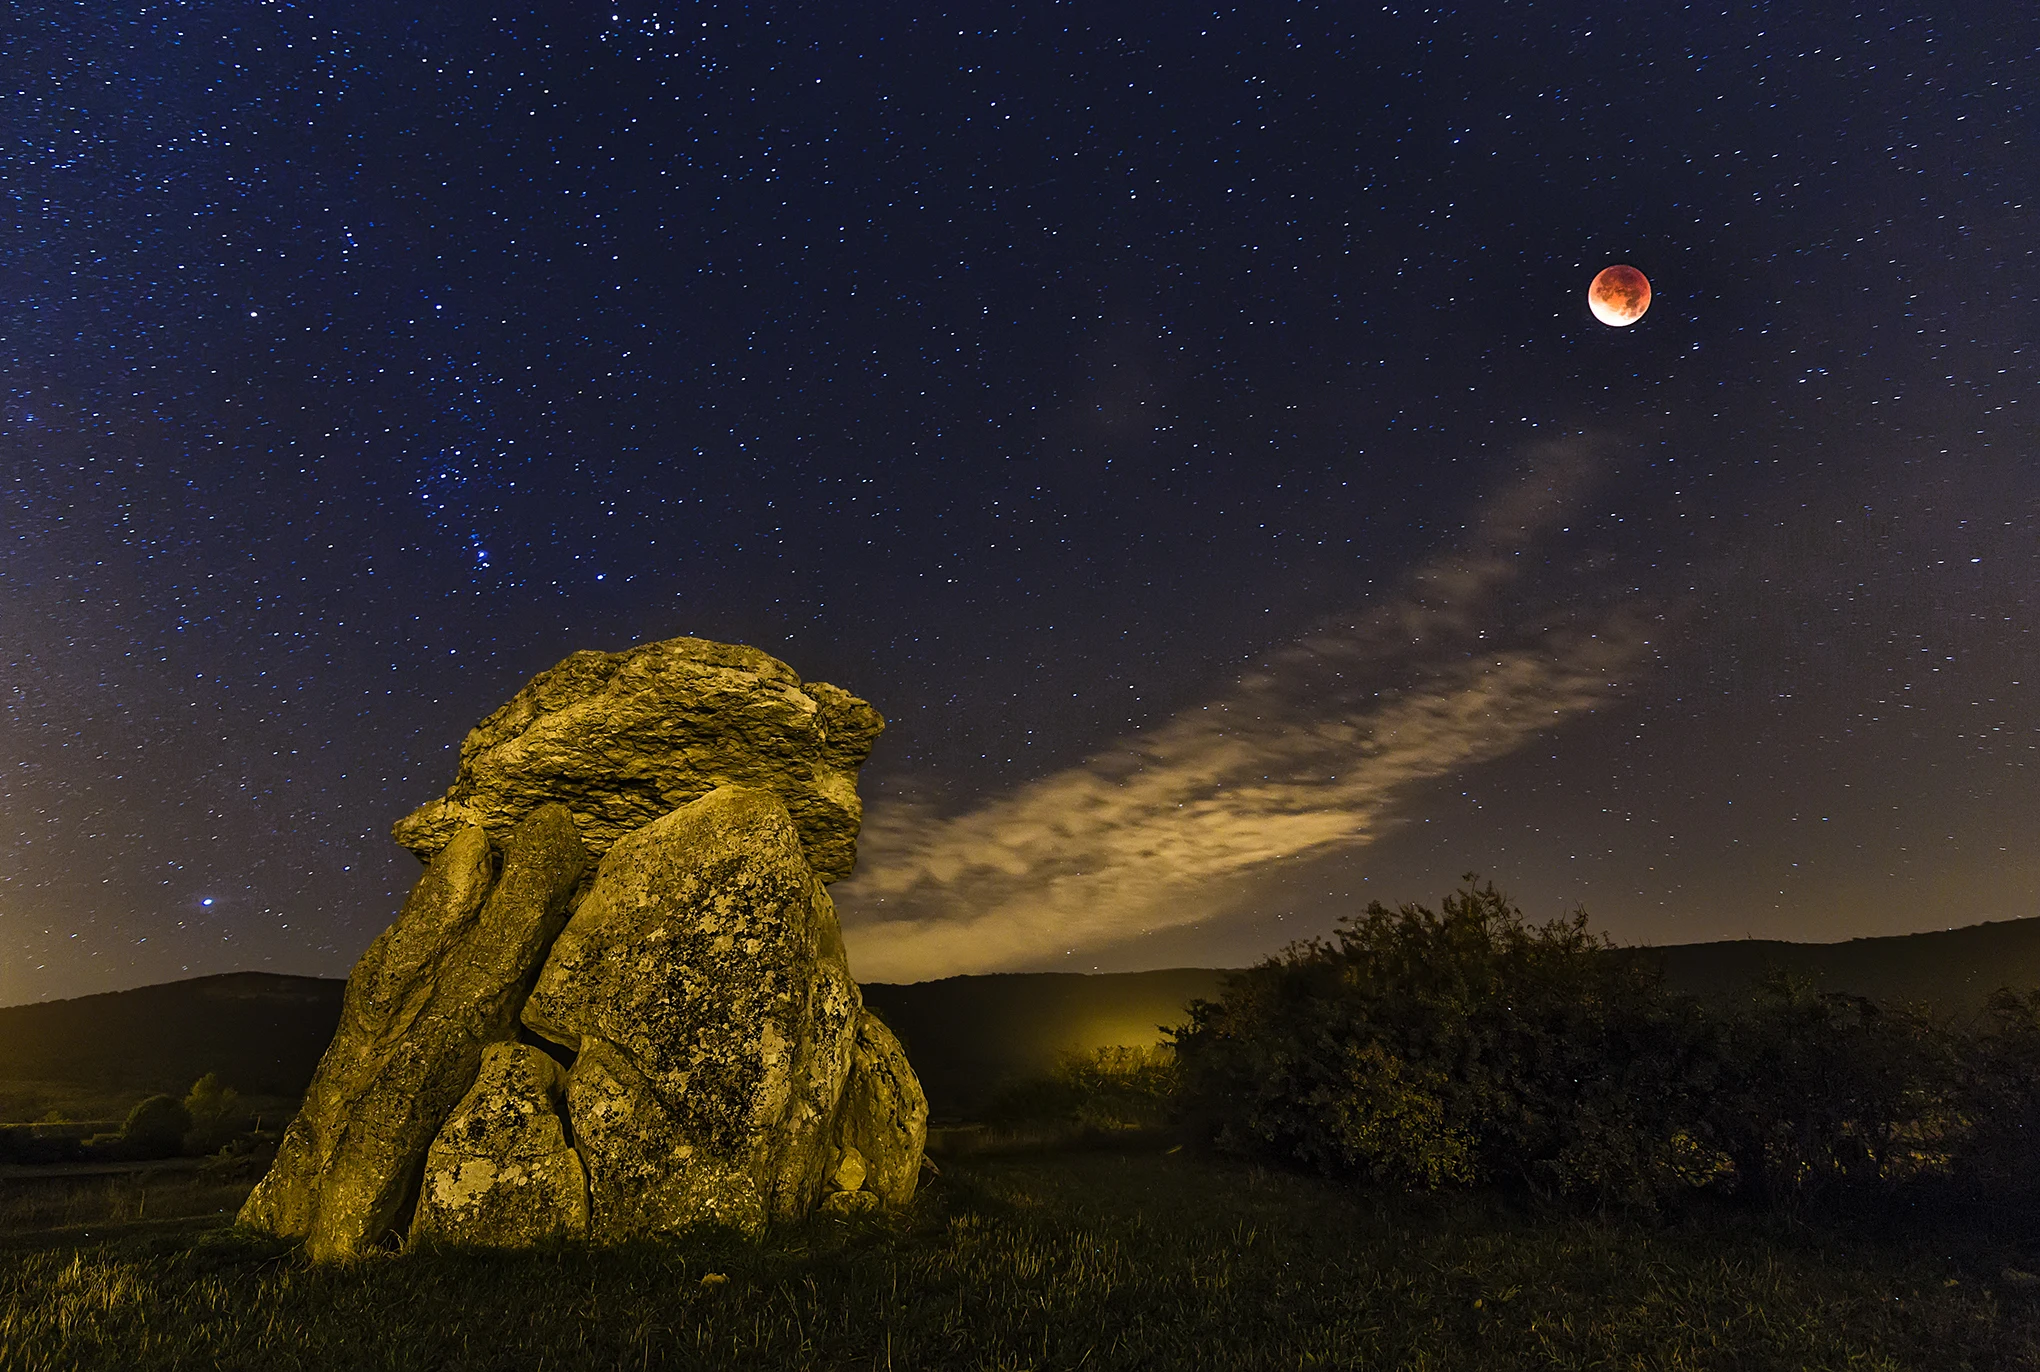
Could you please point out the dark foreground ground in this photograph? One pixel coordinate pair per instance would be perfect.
(1091, 1259)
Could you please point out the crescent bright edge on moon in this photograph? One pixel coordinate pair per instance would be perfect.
(1619, 295)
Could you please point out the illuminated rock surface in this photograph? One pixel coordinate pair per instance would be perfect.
(703, 986)
(724, 1071)
(623, 738)
(883, 1123)
(501, 1173)
(430, 993)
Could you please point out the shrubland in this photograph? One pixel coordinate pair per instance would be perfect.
(1466, 1046)
(1098, 1092)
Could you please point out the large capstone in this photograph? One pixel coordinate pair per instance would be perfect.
(439, 985)
(702, 985)
(501, 1174)
(622, 739)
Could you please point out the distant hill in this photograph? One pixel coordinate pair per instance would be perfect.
(263, 1034)
(97, 1055)
(965, 1035)
(1951, 970)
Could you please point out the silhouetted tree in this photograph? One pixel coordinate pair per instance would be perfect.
(155, 1128)
(215, 1110)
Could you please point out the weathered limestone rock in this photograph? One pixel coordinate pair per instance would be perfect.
(850, 1172)
(724, 1070)
(438, 985)
(501, 1174)
(702, 983)
(847, 1203)
(846, 1195)
(882, 1123)
(624, 738)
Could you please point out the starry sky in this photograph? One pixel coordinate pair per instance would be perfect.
(1184, 423)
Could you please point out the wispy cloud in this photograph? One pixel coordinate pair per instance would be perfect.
(1469, 657)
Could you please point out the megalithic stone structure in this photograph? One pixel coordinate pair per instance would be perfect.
(621, 739)
(710, 1061)
(703, 988)
(440, 985)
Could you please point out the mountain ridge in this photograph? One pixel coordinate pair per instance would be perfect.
(263, 1032)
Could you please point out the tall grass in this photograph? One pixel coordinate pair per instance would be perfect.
(29, 1204)
(1089, 1259)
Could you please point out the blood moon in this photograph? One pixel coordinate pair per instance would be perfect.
(1619, 296)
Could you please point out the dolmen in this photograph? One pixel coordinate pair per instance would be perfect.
(616, 1005)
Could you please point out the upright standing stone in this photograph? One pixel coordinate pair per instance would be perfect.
(703, 986)
(882, 1125)
(431, 992)
(501, 1174)
(624, 738)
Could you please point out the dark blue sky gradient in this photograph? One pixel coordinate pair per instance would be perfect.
(1030, 371)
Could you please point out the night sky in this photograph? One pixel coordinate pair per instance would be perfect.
(1185, 424)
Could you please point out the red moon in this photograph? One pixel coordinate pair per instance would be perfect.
(1619, 296)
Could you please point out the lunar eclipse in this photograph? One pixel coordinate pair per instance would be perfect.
(1619, 296)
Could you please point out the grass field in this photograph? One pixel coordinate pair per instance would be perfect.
(85, 1201)
(1091, 1259)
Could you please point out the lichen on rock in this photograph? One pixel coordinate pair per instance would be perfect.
(702, 983)
(501, 1173)
(436, 987)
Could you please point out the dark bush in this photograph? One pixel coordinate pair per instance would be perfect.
(1825, 1093)
(216, 1116)
(155, 1128)
(1467, 1046)
(1425, 1049)
(104, 1147)
(1999, 1154)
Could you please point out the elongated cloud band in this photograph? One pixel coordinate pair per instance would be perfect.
(1462, 663)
